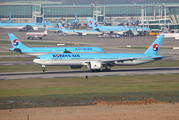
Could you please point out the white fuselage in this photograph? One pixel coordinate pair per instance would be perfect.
(83, 62)
(36, 35)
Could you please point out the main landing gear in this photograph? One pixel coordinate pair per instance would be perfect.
(43, 68)
(106, 69)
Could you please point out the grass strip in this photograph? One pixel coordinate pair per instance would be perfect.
(107, 84)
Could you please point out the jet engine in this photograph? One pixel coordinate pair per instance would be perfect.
(76, 66)
(94, 65)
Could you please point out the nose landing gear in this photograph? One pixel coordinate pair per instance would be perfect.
(43, 68)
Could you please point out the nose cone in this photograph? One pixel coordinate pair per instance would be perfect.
(103, 51)
(36, 61)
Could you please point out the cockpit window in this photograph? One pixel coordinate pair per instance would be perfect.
(37, 57)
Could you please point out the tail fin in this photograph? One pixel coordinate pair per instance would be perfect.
(75, 21)
(10, 17)
(61, 28)
(44, 25)
(154, 48)
(16, 43)
(93, 23)
(76, 16)
(89, 21)
(45, 32)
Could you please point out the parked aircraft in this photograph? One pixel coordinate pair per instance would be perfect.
(73, 22)
(9, 21)
(35, 51)
(55, 29)
(77, 32)
(95, 61)
(122, 30)
(25, 26)
(39, 35)
(170, 35)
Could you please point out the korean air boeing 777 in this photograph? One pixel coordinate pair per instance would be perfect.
(95, 61)
(8, 21)
(116, 29)
(77, 32)
(20, 26)
(20, 48)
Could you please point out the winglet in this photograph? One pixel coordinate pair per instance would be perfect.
(154, 48)
(16, 43)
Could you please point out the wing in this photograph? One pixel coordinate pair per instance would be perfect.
(118, 60)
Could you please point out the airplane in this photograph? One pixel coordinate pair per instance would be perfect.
(73, 22)
(122, 30)
(35, 51)
(171, 35)
(55, 29)
(95, 61)
(39, 35)
(9, 21)
(77, 32)
(25, 26)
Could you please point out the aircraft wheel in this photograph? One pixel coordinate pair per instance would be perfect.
(32, 38)
(98, 70)
(106, 70)
(40, 38)
(44, 70)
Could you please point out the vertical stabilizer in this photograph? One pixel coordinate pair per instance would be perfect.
(10, 17)
(75, 21)
(62, 28)
(154, 48)
(44, 25)
(45, 32)
(16, 43)
(89, 21)
(95, 24)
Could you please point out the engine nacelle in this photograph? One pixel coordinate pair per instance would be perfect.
(177, 37)
(84, 34)
(19, 28)
(94, 65)
(35, 28)
(76, 66)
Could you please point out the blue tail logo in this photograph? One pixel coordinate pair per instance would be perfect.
(61, 27)
(15, 42)
(90, 22)
(155, 47)
(96, 24)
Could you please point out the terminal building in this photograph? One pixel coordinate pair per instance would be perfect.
(156, 16)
